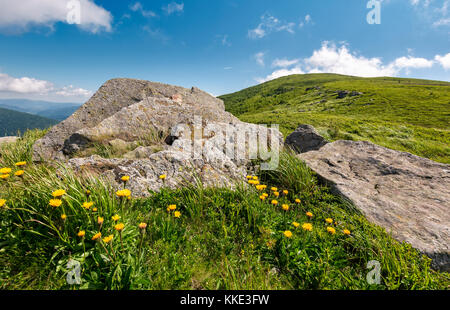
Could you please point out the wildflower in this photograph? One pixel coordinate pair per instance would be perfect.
(21, 163)
(329, 221)
(100, 220)
(331, 230)
(255, 178)
(274, 202)
(94, 210)
(265, 195)
(296, 225)
(81, 233)
(288, 234)
(125, 178)
(123, 193)
(108, 239)
(172, 207)
(4, 176)
(5, 171)
(242, 252)
(307, 226)
(2, 202)
(19, 173)
(276, 194)
(58, 193)
(115, 218)
(346, 232)
(142, 226)
(249, 177)
(88, 193)
(309, 214)
(297, 200)
(63, 217)
(285, 192)
(260, 187)
(274, 189)
(97, 236)
(55, 202)
(262, 197)
(162, 177)
(285, 207)
(87, 205)
(119, 227)
(177, 214)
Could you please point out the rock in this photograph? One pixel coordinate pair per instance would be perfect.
(407, 195)
(341, 94)
(304, 139)
(9, 139)
(185, 134)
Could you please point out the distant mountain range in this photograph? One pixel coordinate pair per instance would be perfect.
(13, 122)
(52, 110)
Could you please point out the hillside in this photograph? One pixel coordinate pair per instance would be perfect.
(404, 114)
(54, 110)
(12, 122)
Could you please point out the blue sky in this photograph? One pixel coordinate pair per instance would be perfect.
(220, 46)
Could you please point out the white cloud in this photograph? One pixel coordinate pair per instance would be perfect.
(39, 89)
(21, 16)
(174, 7)
(283, 63)
(307, 20)
(268, 25)
(280, 73)
(137, 7)
(442, 22)
(444, 61)
(259, 57)
(340, 60)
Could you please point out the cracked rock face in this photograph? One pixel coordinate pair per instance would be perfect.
(407, 195)
(197, 139)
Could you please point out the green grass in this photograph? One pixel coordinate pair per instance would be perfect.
(403, 114)
(224, 239)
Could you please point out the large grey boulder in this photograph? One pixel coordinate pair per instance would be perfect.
(304, 139)
(407, 195)
(153, 129)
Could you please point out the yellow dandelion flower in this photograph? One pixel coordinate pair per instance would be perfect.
(329, 221)
(297, 200)
(162, 177)
(123, 193)
(288, 234)
(87, 205)
(255, 182)
(285, 192)
(296, 225)
(331, 230)
(19, 173)
(249, 177)
(108, 239)
(285, 207)
(58, 193)
(262, 197)
(172, 207)
(255, 178)
(125, 178)
(63, 217)
(4, 176)
(100, 220)
(5, 171)
(265, 195)
(274, 189)
(119, 227)
(94, 210)
(2, 202)
(21, 163)
(274, 202)
(115, 218)
(81, 233)
(177, 214)
(97, 236)
(276, 194)
(309, 214)
(346, 232)
(142, 226)
(307, 226)
(55, 203)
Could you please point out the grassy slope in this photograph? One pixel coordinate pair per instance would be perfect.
(403, 114)
(224, 239)
(12, 122)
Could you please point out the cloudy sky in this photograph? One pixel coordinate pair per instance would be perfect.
(49, 52)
